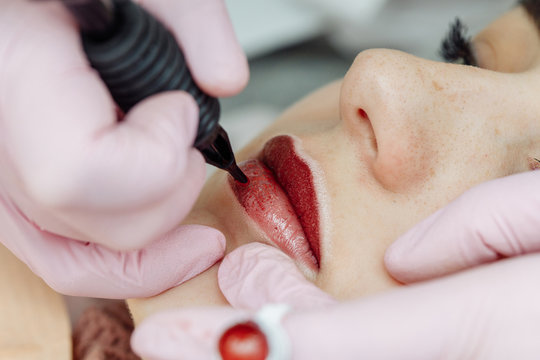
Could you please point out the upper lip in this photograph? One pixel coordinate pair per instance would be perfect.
(295, 176)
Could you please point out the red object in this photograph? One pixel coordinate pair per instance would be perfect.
(243, 341)
(281, 198)
(265, 201)
(294, 175)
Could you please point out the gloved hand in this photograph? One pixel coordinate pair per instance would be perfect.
(490, 312)
(491, 221)
(75, 183)
(486, 313)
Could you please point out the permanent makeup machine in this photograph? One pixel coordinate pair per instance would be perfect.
(136, 56)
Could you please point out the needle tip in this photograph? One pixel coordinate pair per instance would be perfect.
(237, 174)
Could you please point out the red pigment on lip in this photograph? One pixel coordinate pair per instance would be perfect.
(243, 341)
(294, 175)
(266, 203)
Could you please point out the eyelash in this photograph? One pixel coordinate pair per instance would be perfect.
(456, 46)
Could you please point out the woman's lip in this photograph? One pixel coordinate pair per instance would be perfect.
(281, 199)
(296, 178)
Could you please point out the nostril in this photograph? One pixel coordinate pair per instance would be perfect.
(362, 113)
(369, 130)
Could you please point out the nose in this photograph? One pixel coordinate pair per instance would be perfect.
(400, 104)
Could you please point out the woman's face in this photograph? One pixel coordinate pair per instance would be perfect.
(365, 158)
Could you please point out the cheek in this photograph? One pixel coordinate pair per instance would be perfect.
(402, 163)
(354, 264)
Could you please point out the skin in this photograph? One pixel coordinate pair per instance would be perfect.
(432, 131)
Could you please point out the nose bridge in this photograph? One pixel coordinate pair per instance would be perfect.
(399, 90)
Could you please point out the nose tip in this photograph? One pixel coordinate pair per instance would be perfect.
(377, 76)
(381, 99)
(368, 85)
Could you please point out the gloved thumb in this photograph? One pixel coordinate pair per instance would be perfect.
(255, 274)
(494, 220)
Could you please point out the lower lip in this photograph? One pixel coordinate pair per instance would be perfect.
(267, 204)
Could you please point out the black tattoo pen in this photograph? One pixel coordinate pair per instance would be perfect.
(136, 56)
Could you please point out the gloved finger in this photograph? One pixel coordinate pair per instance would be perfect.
(85, 269)
(206, 36)
(256, 274)
(184, 334)
(494, 220)
(484, 313)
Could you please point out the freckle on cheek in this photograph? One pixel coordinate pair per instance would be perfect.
(437, 86)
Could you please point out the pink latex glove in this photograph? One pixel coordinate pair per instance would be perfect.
(75, 184)
(490, 312)
(494, 220)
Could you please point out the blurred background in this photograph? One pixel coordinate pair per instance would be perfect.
(296, 46)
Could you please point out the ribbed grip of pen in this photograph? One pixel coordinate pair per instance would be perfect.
(141, 58)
